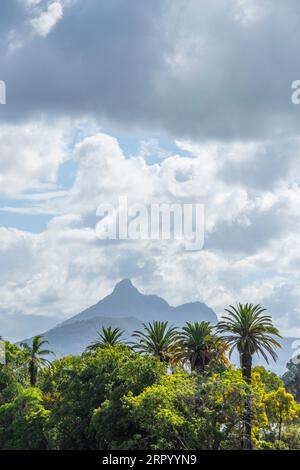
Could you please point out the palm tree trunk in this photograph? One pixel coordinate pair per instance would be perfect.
(246, 365)
(298, 394)
(33, 374)
(199, 366)
(280, 426)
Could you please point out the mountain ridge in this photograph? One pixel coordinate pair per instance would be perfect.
(127, 300)
(126, 308)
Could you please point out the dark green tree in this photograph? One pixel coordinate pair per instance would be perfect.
(200, 346)
(85, 395)
(34, 353)
(107, 337)
(23, 420)
(248, 330)
(157, 339)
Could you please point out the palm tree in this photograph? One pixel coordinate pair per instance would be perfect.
(249, 331)
(157, 339)
(200, 346)
(108, 337)
(34, 353)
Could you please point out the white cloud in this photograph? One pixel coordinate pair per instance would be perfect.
(39, 18)
(47, 20)
(30, 156)
(104, 174)
(251, 249)
(178, 78)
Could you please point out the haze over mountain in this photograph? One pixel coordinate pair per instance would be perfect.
(15, 326)
(126, 308)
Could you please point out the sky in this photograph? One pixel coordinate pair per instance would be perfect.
(161, 100)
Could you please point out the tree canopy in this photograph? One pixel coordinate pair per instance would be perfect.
(121, 396)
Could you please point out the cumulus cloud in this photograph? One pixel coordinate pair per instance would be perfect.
(46, 20)
(32, 18)
(31, 154)
(213, 76)
(250, 251)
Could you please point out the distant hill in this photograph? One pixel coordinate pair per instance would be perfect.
(125, 308)
(73, 337)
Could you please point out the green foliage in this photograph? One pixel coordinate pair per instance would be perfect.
(116, 397)
(163, 413)
(276, 445)
(291, 378)
(291, 435)
(79, 386)
(281, 408)
(270, 379)
(249, 330)
(23, 420)
(222, 399)
(157, 339)
(111, 424)
(107, 337)
(200, 347)
(13, 372)
(34, 353)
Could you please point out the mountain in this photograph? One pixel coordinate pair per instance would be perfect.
(125, 308)
(127, 301)
(73, 337)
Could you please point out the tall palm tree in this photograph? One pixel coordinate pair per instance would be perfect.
(157, 339)
(248, 330)
(200, 346)
(34, 353)
(107, 337)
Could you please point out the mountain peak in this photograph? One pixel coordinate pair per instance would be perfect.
(127, 301)
(124, 286)
(126, 308)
